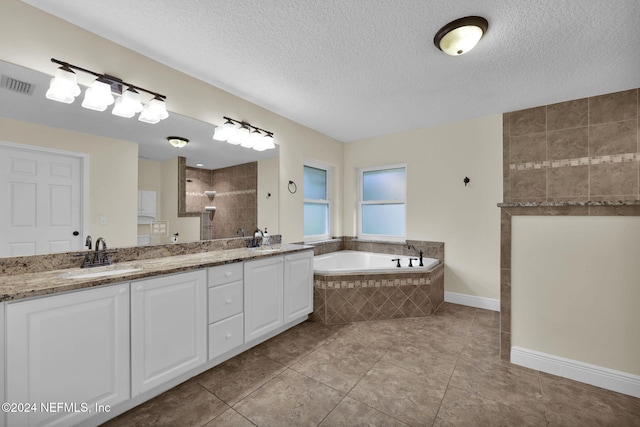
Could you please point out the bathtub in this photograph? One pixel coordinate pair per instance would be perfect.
(353, 286)
(359, 263)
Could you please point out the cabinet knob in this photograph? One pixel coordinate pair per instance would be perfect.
(229, 301)
(228, 336)
(140, 288)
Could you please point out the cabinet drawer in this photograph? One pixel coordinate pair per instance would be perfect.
(225, 274)
(225, 301)
(226, 335)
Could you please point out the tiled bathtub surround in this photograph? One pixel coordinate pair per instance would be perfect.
(344, 299)
(351, 298)
(585, 149)
(348, 243)
(574, 158)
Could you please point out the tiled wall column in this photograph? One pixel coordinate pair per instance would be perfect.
(574, 158)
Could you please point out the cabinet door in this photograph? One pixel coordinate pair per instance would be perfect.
(263, 286)
(298, 285)
(69, 348)
(168, 328)
(147, 202)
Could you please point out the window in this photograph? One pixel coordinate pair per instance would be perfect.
(381, 204)
(316, 202)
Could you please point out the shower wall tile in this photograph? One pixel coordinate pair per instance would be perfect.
(529, 184)
(613, 138)
(568, 143)
(528, 148)
(613, 180)
(613, 107)
(568, 183)
(524, 122)
(570, 114)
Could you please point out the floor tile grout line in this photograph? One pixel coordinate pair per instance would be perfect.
(454, 367)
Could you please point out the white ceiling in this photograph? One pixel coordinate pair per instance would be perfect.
(353, 69)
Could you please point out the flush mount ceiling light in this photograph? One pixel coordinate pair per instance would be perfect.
(245, 134)
(177, 141)
(460, 36)
(64, 88)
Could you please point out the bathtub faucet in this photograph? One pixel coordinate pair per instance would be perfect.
(396, 260)
(421, 254)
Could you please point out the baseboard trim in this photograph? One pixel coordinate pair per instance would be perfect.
(472, 301)
(621, 382)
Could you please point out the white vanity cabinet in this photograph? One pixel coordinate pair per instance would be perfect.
(68, 349)
(263, 296)
(226, 305)
(168, 328)
(298, 285)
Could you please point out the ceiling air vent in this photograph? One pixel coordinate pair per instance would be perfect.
(17, 85)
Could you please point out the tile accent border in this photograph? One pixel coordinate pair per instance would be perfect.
(578, 161)
(598, 376)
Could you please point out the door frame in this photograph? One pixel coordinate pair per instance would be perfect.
(84, 174)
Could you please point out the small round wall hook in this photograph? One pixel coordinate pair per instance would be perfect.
(466, 180)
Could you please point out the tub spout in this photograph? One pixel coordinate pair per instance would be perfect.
(411, 247)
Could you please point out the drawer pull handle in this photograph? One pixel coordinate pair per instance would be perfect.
(228, 274)
(228, 336)
(229, 301)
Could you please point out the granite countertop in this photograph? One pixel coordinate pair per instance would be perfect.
(570, 203)
(27, 285)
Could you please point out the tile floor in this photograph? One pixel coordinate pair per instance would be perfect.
(435, 371)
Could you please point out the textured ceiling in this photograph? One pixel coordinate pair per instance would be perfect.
(353, 69)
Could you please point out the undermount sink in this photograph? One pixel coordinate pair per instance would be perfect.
(261, 250)
(111, 270)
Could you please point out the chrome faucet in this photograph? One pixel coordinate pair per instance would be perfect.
(421, 254)
(254, 242)
(87, 242)
(241, 230)
(101, 258)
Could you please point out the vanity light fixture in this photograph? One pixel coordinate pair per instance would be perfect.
(177, 141)
(237, 132)
(460, 36)
(64, 88)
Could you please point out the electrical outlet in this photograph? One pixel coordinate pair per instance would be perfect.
(103, 220)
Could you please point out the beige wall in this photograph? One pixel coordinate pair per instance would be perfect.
(29, 37)
(439, 206)
(575, 288)
(113, 174)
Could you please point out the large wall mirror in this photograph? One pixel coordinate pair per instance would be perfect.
(121, 162)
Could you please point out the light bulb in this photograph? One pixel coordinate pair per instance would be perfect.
(154, 111)
(64, 86)
(98, 96)
(128, 104)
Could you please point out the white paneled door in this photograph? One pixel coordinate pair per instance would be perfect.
(41, 209)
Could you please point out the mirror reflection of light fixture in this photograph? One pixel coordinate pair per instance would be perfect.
(64, 88)
(237, 132)
(177, 141)
(460, 36)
